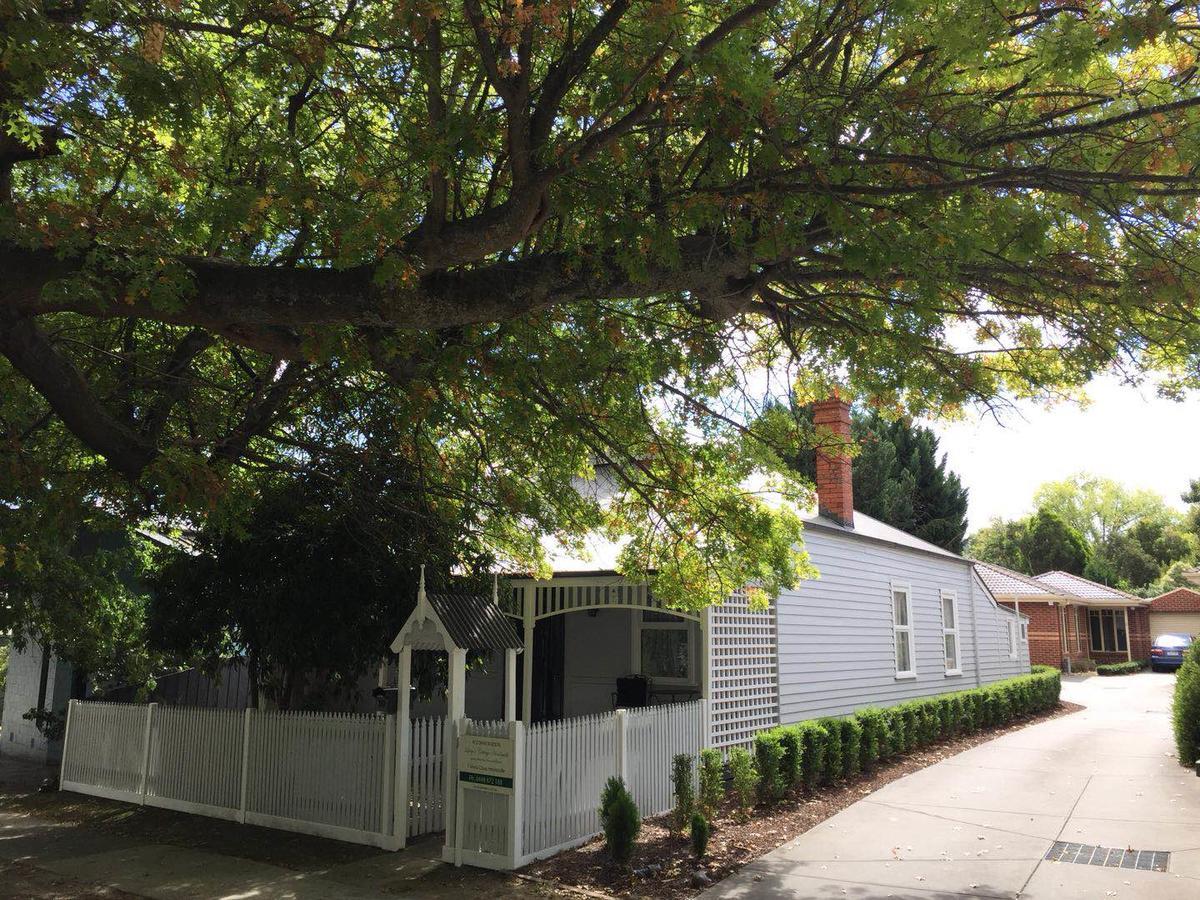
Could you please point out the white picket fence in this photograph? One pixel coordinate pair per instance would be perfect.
(328, 774)
(322, 773)
(195, 757)
(105, 750)
(567, 763)
(334, 774)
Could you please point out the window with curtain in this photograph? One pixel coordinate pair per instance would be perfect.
(906, 666)
(1106, 629)
(666, 647)
(950, 631)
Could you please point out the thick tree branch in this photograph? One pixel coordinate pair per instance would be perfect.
(1088, 126)
(563, 73)
(68, 394)
(255, 300)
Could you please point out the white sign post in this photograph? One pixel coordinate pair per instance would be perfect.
(490, 764)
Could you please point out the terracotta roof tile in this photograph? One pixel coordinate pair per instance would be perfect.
(1006, 582)
(1074, 586)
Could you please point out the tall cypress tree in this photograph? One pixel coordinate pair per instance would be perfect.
(899, 479)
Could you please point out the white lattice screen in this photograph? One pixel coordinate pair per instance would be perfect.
(745, 689)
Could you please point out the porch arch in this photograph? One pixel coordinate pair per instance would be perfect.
(536, 600)
(531, 600)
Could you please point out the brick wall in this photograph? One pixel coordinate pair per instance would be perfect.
(1044, 645)
(1139, 632)
(1183, 600)
(1046, 634)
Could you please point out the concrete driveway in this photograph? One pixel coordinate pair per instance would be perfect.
(980, 824)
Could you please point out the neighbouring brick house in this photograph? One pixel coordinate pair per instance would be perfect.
(1073, 620)
(1176, 612)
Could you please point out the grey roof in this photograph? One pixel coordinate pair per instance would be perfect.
(600, 553)
(474, 622)
(1007, 583)
(865, 526)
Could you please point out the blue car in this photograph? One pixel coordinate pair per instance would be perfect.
(1168, 650)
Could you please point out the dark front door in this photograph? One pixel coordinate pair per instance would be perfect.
(548, 654)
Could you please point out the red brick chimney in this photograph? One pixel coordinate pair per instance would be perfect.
(835, 489)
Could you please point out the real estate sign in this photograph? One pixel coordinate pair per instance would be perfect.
(486, 762)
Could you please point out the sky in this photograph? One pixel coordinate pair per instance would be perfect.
(1126, 433)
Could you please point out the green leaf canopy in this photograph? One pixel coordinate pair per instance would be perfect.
(505, 241)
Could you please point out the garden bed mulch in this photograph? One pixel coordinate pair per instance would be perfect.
(663, 867)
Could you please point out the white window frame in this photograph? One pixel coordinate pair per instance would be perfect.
(952, 596)
(897, 630)
(684, 625)
(1014, 648)
(1024, 632)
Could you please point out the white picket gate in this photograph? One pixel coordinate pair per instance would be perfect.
(322, 773)
(195, 759)
(427, 792)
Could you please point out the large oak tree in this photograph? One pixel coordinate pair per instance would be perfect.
(525, 236)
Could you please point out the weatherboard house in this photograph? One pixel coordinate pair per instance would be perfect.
(889, 619)
(587, 676)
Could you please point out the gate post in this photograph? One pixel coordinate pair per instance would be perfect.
(403, 775)
(452, 846)
(516, 809)
(387, 814)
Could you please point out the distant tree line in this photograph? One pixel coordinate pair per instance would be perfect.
(1098, 528)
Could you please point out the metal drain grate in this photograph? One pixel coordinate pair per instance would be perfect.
(1110, 857)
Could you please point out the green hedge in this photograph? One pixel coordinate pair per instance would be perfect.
(1185, 713)
(814, 739)
(1121, 668)
(819, 752)
(768, 758)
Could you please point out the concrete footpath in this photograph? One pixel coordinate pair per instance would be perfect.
(980, 824)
